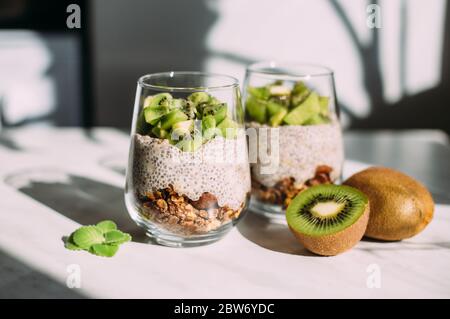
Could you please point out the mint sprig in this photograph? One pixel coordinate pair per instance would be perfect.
(102, 239)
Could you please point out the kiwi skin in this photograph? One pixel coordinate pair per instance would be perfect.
(401, 207)
(334, 244)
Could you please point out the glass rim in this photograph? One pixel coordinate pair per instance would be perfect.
(263, 68)
(233, 82)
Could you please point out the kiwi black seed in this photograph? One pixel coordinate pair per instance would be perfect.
(328, 219)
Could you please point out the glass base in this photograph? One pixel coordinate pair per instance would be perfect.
(275, 213)
(162, 237)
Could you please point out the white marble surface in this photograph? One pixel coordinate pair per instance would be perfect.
(256, 260)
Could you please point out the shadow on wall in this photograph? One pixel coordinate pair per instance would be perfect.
(166, 35)
(428, 109)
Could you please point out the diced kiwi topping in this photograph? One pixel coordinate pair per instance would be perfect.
(278, 104)
(186, 123)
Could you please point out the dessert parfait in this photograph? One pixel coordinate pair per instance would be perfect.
(188, 179)
(308, 148)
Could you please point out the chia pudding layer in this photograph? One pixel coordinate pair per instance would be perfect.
(190, 192)
(308, 155)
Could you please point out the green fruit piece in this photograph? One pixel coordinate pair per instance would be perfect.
(161, 99)
(69, 243)
(147, 101)
(175, 116)
(116, 237)
(199, 97)
(259, 92)
(299, 93)
(317, 119)
(160, 133)
(279, 90)
(277, 118)
(106, 226)
(190, 144)
(323, 101)
(208, 122)
(219, 111)
(154, 113)
(273, 108)
(209, 129)
(104, 250)
(256, 110)
(228, 128)
(190, 109)
(177, 104)
(183, 128)
(86, 236)
(328, 219)
(304, 111)
(142, 127)
(213, 101)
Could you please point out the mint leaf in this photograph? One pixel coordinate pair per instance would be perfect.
(104, 250)
(86, 236)
(116, 237)
(69, 244)
(106, 226)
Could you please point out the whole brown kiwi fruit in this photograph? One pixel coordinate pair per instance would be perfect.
(400, 206)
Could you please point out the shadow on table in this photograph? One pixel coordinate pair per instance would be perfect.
(277, 237)
(17, 281)
(269, 235)
(79, 198)
(115, 162)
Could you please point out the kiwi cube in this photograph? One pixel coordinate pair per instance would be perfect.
(190, 144)
(259, 92)
(142, 127)
(161, 99)
(199, 97)
(208, 127)
(174, 116)
(159, 132)
(273, 108)
(154, 113)
(304, 111)
(183, 128)
(317, 119)
(277, 118)
(148, 101)
(177, 103)
(256, 109)
(228, 128)
(323, 101)
(299, 93)
(219, 111)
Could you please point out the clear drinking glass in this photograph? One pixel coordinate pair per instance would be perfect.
(188, 176)
(293, 112)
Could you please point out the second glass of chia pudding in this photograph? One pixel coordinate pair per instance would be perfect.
(188, 177)
(298, 139)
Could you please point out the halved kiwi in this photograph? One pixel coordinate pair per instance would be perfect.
(328, 219)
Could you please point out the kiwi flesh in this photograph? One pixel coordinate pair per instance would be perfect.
(400, 206)
(228, 128)
(328, 219)
(256, 109)
(175, 116)
(277, 118)
(304, 111)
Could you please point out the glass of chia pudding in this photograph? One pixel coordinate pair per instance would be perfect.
(188, 176)
(297, 140)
